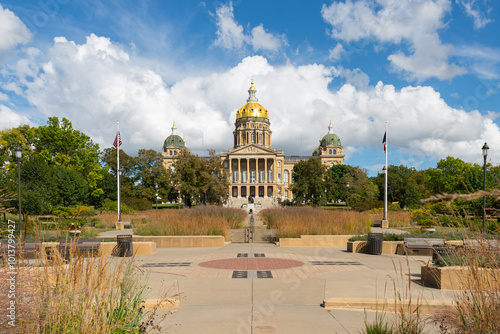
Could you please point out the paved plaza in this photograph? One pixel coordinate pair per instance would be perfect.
(264, 288)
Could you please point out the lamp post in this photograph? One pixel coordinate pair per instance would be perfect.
(156, 195)
(325, 198)
(485, 149)
(179, 192)
(19, 155)
(347, 185)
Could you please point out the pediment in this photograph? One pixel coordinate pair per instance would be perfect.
(252, 149)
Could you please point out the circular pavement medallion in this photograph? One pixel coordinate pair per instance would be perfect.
(252, 264)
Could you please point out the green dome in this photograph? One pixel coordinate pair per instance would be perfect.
(331, 139)
(316, 152)
(174, 140)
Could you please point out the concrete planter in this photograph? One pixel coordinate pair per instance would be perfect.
(456, 278)
(316, 241)
(388, 247)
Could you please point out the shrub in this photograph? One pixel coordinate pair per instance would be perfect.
(368, 205)
(138, 204)
(109, 205)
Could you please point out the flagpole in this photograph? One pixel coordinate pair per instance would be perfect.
(385, 179)
(118, 172)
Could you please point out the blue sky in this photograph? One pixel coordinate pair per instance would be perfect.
(431, 68)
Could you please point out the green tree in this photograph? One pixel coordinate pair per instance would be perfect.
(38, 187)
(453, 175)
(71, 186)
(309, 181)
(199, 179)
(399, 187)
(149, 173)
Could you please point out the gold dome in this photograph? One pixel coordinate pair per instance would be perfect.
(252, 108)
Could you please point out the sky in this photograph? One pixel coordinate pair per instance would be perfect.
(428, 69)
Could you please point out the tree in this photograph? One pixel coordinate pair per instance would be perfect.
(453, 175)
(399, 187)
(199, 179)
(309, 181)
(149, 172)
(38, 187)
(361, 188)
(71, 186)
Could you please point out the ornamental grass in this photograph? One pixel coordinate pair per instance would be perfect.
(294, 222)
(83, 295)
(200, 220)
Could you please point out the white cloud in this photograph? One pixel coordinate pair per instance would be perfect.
(471, 10)
(97, 83)
(11, 119)
(3, 97)
(230, 34)
(262, 40)
(336, 53)
(12, 32)
(416, 22)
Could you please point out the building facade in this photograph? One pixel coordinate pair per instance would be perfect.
(254, 167)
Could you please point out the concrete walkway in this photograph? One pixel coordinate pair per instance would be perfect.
(213, 299)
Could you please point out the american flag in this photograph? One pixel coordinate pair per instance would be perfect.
(118, 140)
(384, 141)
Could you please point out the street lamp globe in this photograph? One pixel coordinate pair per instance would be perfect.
(485, 149)
(19, 152)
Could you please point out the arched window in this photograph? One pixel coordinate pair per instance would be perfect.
(260, 138)
(334, 151)
(279, 177)
(285, 176)
(330, 151)
(244, 139)
(252, 136)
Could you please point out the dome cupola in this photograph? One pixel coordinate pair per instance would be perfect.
(174, 139)
(252, 109)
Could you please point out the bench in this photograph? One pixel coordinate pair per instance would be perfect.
(488, 245)
(25, 250)
(84, 247)
(422, 246)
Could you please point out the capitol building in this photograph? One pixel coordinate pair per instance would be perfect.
(254, 167)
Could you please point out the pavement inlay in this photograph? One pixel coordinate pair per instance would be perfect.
(274, 265)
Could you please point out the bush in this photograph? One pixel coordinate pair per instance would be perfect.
(109, 205)
(368, 205)
(138, 204)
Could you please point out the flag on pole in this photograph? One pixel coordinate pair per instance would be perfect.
(118, 140)
(384, 141)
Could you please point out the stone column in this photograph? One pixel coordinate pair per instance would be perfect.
(265, 173)
(239, 170)
(248, 170)
(230, 172)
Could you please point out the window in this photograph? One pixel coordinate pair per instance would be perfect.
(225, 164)
(244, 139)
(252, 126)
(269, 175)
(334, 151)
(279, 191)
(235, 176)
(261, 176)
(279, 164)
(235, 192)
(253, 138)
(330, 151)
(244, 176)
(260, 138)
(279, 177)
(244, 126)
(252, 176)
(286, 193)
(175, 152)
(260, 126)
(171, 152)
(285, 177)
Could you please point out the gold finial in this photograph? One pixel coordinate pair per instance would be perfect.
(330, 123)
(174, 125)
